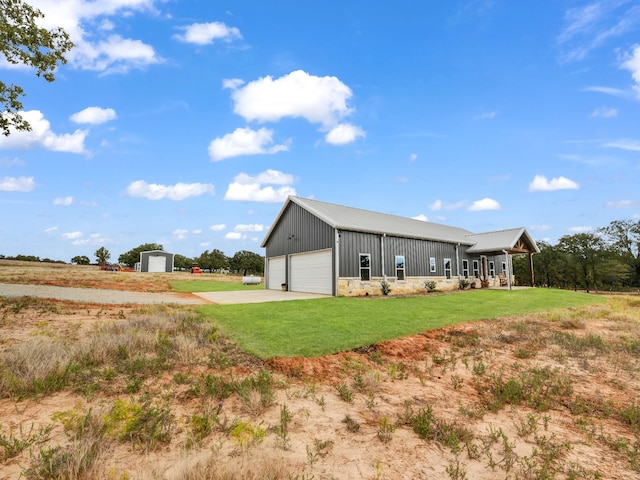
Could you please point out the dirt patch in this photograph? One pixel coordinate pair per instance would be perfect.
(541, 396)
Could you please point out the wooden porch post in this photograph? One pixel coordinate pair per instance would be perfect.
(531, 269)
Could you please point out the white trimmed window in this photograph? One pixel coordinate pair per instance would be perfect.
(365, 267)
(476, 268)
(465, 268)
(492, 269)
(504, 267)
(400, 267)
(432, 264)
(447, 268)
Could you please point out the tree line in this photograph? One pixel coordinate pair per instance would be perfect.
(243, 261)
(606, 259)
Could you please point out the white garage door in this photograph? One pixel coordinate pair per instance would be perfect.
(275, 273)
(157, 264)
(312, 272)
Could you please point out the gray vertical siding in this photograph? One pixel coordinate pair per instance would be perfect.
(416, 254)
(299, 231)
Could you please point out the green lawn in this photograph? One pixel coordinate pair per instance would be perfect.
(318, 327)
(190, 286)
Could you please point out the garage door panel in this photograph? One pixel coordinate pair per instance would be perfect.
(157, 264)
(276, 273)
(312, 272)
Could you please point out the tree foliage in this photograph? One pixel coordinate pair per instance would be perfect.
(214, 260)
(247, 262)
(102, 256)
(609, 258)
(132, 256)
(180, 261)
(23, 42)
(81, 260)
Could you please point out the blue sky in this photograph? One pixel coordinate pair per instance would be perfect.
(187, 123)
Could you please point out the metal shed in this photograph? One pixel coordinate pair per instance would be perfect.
(156, 261)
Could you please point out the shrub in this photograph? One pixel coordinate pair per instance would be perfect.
(385, 287)
(430, 285)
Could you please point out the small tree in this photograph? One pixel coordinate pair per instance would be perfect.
(81, 260)
(247, 262)
(102, 256)
(214, 260)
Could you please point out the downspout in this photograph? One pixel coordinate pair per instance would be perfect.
(384, 275)
(508, 258)
(336, 263)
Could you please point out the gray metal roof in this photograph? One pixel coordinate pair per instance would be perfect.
(359, 220)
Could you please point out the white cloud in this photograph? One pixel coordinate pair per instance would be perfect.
(486, 116)
(206, 33)
(344, 133)
(273, 177)
(484, 204)
(42, 136)
(256, 227)
(17, 184)
(235, 236)
(72, 235)
(99, 49)
(254, 193)
(616, 92)
(232, 83)
(540, 183)
(196, 232)
(13, 162)
(632, 63)
(63, 201)
(604, 112)
(440, 205)
(589, 26)
(180, 233)
(622, 204)
(94, 115)
(179, 191)
(581, 229)
(218, 227)
(624, 144)
(244, 141)
(421, 217)
(320, 100)
(51, 229)
(413, 157)
(247, 188)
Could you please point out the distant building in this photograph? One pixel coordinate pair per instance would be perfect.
(156, 261)
(320, 247)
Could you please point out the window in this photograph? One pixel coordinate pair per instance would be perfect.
(447, 268)
(365, 267)
(465, 268)
(432, 264)
(476, 268)
(504, 267)
(492, 269)
(400, 267)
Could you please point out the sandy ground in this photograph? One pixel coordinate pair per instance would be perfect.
(437, 370)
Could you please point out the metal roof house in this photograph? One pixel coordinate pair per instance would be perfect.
(320, 247)
(157, 261)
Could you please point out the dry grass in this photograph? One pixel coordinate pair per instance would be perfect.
(158, 394)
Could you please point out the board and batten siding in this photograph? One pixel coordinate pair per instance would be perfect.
(416, 254)
(299, 231)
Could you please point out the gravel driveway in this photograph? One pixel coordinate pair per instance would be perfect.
(97, 295)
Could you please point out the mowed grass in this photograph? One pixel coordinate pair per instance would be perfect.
(190, 286)
(311, 328)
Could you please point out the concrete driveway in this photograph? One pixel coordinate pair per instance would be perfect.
(255, 296)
